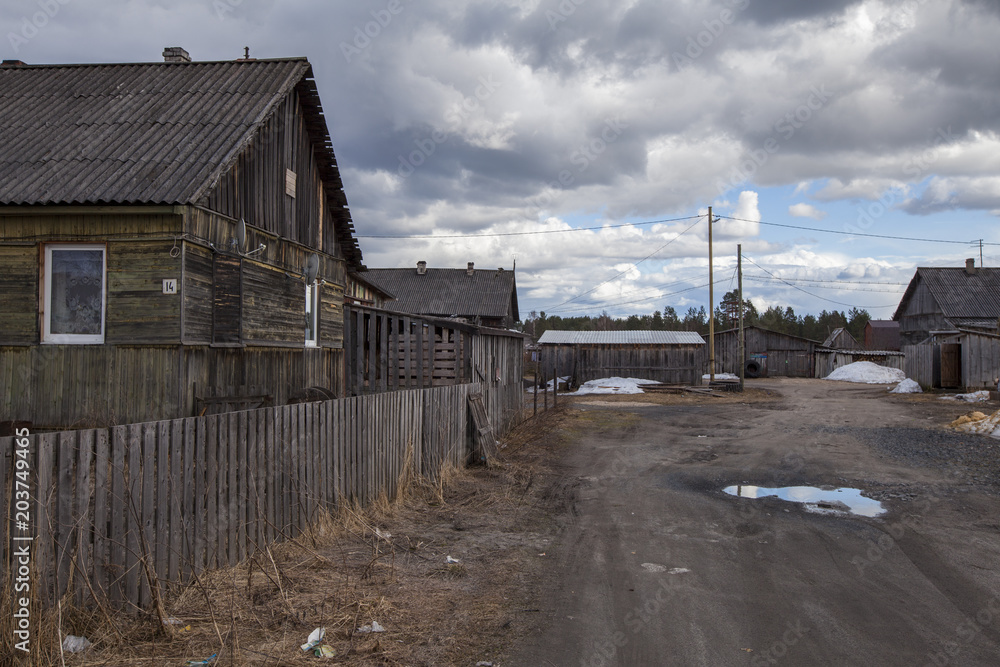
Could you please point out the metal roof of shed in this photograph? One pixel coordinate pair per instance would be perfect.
(556, 337)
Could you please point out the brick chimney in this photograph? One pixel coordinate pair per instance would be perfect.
(421, 268)
(175, 54)
(970, 266)
(13, 63)
(470, 268)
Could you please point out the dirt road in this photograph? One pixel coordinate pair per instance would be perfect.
(656, 565)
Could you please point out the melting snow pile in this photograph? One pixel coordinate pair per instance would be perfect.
(612, 386)
(976, 422)
(907, 386)
(974, 397)
(720, 376)
(866, 372)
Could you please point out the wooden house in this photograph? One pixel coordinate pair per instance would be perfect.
(483, 297)
(172, 234)
(942, 299)
(948, 322)
(768, 353)
(882, 335)
(672, 357)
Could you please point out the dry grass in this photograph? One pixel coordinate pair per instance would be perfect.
(385, 563)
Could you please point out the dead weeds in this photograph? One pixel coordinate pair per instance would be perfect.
(445, 569)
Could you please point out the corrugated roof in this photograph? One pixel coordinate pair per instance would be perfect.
(958, 293)
(556, 337)
(147, 133)
(449, 292)
(883, 324)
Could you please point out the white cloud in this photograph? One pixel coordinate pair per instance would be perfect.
(803, 210)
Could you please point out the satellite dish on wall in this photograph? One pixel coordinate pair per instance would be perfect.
(312, 268)
(241, 235)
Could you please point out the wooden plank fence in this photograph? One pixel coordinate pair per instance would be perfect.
(118, 510)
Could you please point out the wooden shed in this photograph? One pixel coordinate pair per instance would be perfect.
(673, 357)
(483, 297)
(172, 234)
(882, 335)
(841, 339)
(768, 353)
(962, 359)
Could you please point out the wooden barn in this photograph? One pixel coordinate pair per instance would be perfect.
(768, 353)
(948, 322)
(172, 234)
(673, 357)
(482, 297)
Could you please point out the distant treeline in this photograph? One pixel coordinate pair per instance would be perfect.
(816, 327)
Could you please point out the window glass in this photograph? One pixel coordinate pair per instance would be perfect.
(75, 291)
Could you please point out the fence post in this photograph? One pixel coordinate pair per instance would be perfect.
(545, 396)
(555, 384)
(535, 392)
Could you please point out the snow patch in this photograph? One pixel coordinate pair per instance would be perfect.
(907, 386)
(867, 372)
(613, 385)
(974, 397)
(721, 376)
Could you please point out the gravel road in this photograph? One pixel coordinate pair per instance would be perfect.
(655, 565)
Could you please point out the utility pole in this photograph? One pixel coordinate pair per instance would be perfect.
(742, 344)
(711, 305)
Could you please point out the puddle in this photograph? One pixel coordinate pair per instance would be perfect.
(824, 501)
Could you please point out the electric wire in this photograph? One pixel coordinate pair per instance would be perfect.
(815, 296)
(845, 233)
(541, 231)
(596, 287)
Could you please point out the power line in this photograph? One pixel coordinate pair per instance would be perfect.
(833, 282)
(815, 296)
(541, 231)
(836, 231)
(608, 304)
(771, 281)
(593, 289)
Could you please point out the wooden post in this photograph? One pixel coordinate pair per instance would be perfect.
(711, 306)
(742, 343)
(555, 383)
(545, 395)
(536, 390)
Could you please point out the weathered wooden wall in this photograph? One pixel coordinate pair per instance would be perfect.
(198, 493)
(672, 364)
(919, 364)
(921, 315)
(785, 355)
(255, 188)
(62, 386)
(385, 351)
(980, 361)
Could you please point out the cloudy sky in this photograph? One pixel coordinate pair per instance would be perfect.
(823, 127)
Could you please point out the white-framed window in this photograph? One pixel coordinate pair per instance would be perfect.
(75, 293)
(312, 314)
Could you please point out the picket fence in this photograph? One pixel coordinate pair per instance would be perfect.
(120, 510)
